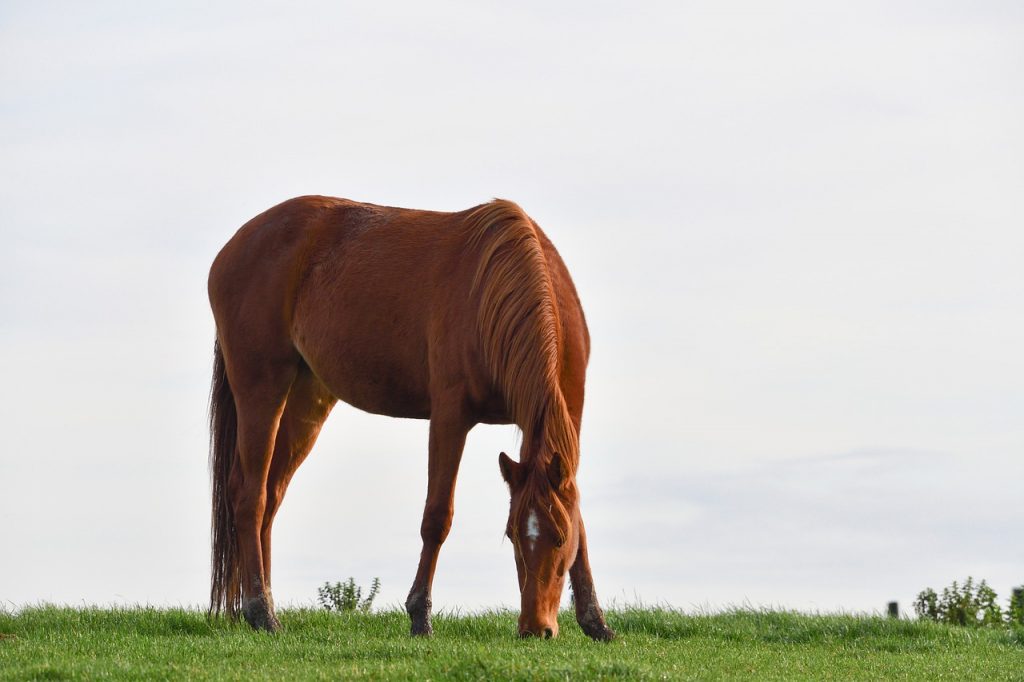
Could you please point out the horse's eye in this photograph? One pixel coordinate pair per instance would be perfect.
(559, 542)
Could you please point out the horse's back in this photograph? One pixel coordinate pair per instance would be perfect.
(383, 290)
(302, 248)
(353, 288)
(375, 300)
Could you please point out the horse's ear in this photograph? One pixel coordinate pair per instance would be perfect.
(511, 470)
(555, 474)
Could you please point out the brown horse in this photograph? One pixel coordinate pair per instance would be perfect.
(460, 318)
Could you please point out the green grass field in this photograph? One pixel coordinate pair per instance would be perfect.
(65, 643)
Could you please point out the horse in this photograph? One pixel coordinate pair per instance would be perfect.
(461, 318)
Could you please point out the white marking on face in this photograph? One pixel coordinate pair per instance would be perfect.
(532, 529)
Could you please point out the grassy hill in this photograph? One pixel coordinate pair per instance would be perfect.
(66, 643)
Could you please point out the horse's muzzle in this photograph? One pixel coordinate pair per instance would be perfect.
(546, 633)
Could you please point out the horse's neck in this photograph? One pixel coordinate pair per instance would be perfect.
(552, 431)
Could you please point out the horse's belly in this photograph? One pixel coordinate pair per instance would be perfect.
(381, 395)
(362, 318)
(375, 374)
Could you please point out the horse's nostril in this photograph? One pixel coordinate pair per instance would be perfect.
(547, 633)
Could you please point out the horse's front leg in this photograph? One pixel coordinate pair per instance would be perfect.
(448, 429)
(588, 612)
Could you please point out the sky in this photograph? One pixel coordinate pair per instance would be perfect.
(796, 233)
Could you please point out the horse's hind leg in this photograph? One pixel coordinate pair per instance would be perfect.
(309, 403)
(261, 389)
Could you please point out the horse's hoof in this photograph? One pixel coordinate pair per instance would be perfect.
(260, 615)
(599, 632)
(418, 607)
(273, 625)
(421, 627)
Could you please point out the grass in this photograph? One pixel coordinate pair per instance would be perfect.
(144, 643)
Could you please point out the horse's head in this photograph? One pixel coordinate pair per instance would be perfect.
(543, 525)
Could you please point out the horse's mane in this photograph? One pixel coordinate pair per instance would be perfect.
(520, 333)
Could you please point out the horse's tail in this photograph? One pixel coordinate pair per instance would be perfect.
(225, 588)
(519, 324)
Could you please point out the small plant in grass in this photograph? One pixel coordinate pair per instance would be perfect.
(347, 596)
(962, 604)
(927, 605)
(989, 610)
(1015, 614)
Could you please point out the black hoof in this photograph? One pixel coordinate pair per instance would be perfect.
(259, 614)
(418, 608)
(421, 627)
(599, 632)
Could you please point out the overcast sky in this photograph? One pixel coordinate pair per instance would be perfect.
(797, 235)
